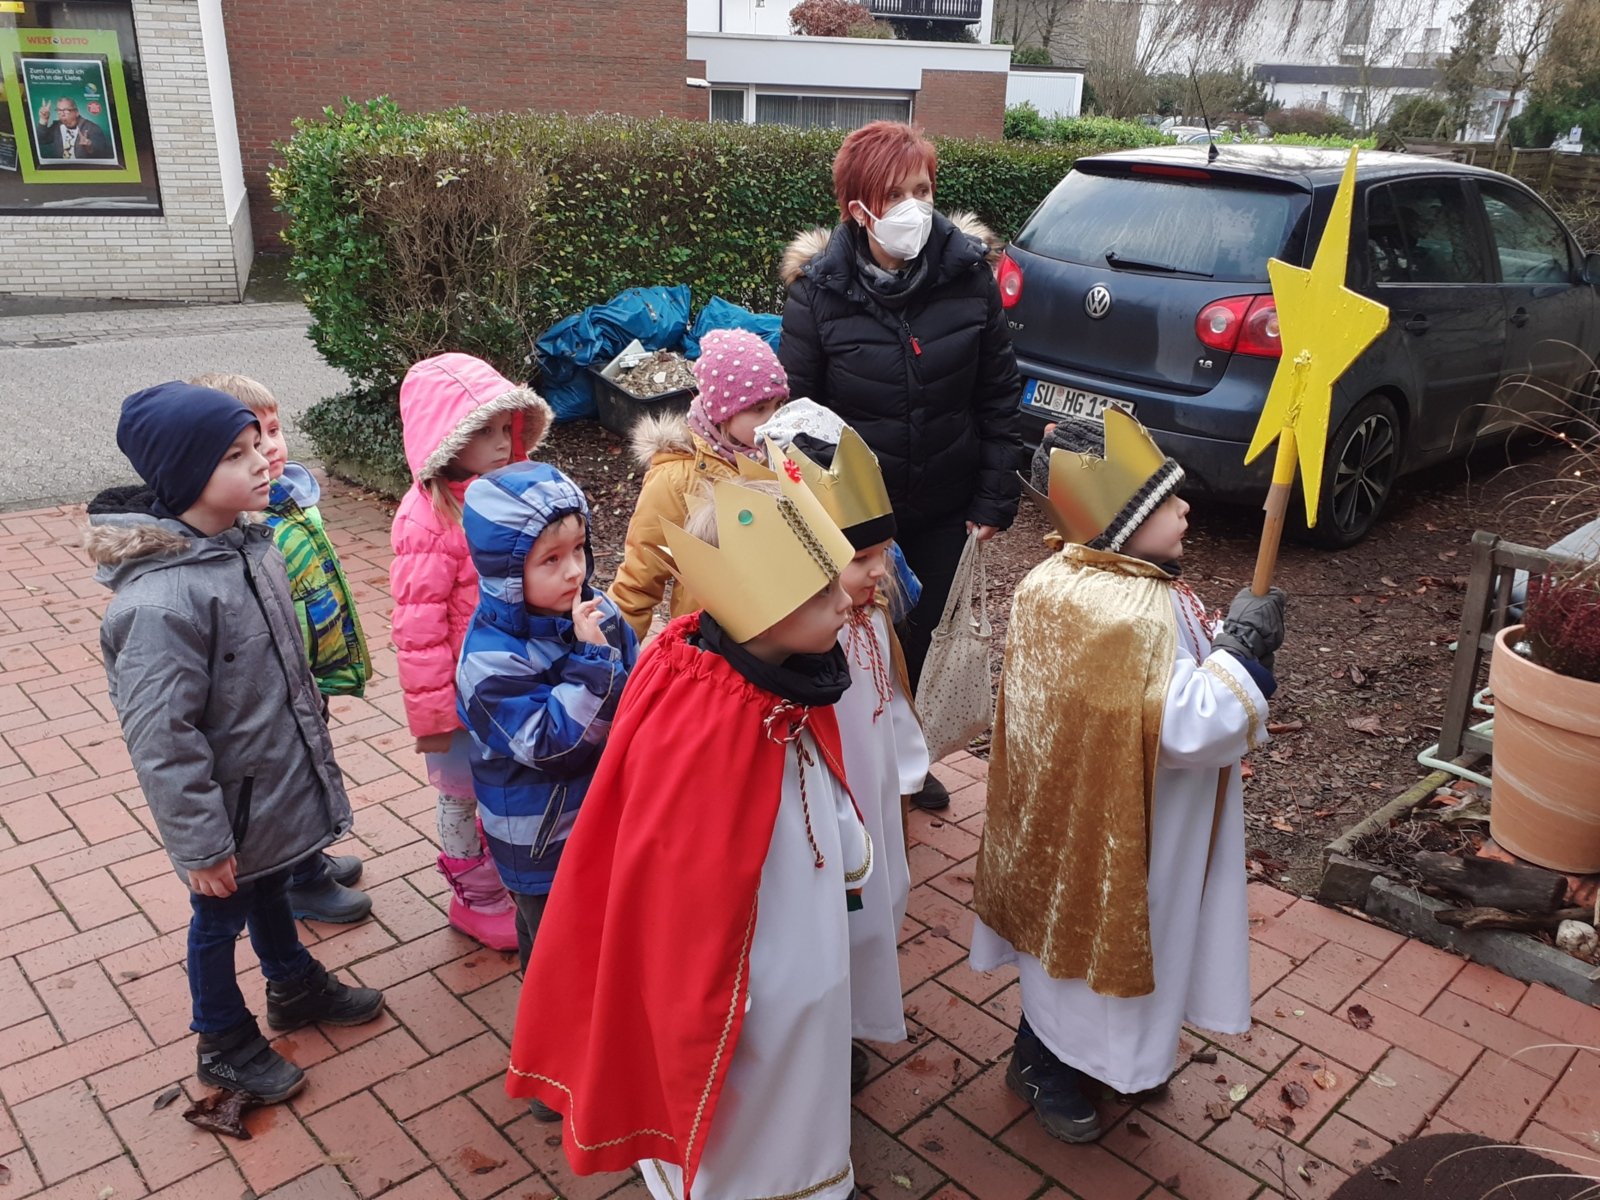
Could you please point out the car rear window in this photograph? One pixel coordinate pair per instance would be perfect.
(1197, 227)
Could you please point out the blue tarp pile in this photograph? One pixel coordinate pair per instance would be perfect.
(657, 316)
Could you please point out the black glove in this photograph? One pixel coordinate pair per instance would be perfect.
(1253, 628)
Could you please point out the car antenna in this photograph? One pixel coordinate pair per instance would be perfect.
(1211, 138)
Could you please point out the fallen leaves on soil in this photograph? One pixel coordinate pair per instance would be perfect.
(166, 1097)
(1218, 1110)
(1325, 1079)
(1359, 1016)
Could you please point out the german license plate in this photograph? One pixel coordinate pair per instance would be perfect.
(1062, 401)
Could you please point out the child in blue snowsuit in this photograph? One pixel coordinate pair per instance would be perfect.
(541, 671)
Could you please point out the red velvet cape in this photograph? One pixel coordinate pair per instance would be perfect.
(636, 991)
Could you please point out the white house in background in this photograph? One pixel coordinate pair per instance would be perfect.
(1053, 91)
(756, 70)
(1357, 58)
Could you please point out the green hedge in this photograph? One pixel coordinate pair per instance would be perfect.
(420, 232)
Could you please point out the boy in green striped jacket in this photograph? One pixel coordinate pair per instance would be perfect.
(319, 888)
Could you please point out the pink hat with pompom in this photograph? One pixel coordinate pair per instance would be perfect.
(736, 369)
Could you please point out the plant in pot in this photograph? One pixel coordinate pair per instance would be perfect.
(1545, 676)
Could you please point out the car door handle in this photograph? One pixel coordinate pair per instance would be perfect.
(1519, 317)
(1416, 324)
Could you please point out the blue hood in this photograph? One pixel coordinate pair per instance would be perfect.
(503, 514)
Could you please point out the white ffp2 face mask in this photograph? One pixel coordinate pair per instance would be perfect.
(902, 230)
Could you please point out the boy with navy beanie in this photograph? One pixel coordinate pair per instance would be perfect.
(222, 718)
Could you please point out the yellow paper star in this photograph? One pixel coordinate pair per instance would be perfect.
(1323, 328)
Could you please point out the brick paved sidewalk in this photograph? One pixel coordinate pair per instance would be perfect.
(94, 1007)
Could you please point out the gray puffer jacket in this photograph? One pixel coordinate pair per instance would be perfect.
(221, 715)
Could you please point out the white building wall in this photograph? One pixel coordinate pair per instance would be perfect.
(824, 65)
(1052, 93)
(187, 253)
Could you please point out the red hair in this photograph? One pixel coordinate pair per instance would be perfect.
(876, 157)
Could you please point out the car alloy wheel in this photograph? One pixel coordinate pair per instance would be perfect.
(1363, 462)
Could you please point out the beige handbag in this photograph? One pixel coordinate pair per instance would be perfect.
(954, 698)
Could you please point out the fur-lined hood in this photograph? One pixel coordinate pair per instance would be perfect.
(445, 399)
(809, 244)
(125, 538)
(665, 433)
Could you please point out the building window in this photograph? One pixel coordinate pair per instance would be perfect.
(1357, 22)
(74, 127)
(727, 104)
(830, 112)
(1430, 41)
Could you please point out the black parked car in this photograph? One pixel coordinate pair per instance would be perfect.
(1141, 281)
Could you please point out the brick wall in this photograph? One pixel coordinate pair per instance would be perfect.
(969, 104)
(292, 58)
(187, 253)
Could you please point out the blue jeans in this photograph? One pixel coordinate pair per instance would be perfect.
(262, 906)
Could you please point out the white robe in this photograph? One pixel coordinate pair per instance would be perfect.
(782, 1122)
(1199, 930)
(884, 758)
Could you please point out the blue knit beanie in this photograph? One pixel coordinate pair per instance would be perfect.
(175, 434)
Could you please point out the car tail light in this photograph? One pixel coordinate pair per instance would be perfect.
(1241, 325)
(1010, 280)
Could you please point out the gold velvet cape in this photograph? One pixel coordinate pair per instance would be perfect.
(1063, 869)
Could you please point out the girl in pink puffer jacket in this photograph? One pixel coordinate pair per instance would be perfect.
(460, 419)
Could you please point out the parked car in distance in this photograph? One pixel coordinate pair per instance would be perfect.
(1141, 281)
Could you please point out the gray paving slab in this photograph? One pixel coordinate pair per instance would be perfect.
(63, 377)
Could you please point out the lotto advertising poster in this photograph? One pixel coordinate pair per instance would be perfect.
(67, 98)
(72, 116)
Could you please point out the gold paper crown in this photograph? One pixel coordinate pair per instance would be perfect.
(852, 489)
(774, 554)
(1087, 491)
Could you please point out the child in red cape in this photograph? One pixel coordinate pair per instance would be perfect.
(698, 922)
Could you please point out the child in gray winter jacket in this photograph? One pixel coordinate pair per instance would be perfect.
(221, 716)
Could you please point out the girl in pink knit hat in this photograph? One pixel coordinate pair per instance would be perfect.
(741, 385)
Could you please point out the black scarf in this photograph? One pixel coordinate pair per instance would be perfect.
(889, 288)
(813, 680)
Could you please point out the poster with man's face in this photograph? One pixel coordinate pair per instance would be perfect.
(71, 109)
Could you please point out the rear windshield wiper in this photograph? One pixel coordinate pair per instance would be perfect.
(1135, 264)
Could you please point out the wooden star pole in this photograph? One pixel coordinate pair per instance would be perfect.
(1323, 327)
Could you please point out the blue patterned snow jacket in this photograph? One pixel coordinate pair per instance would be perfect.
(537, 702)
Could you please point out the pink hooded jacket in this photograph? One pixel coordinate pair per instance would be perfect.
(444, 400)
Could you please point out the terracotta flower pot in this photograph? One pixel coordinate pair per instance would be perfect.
(1545, 805)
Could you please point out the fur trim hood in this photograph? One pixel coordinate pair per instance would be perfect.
(445, 399)
(125, 539)
(662, 433)
(809, 245)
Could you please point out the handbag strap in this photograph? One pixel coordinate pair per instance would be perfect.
(958, 603)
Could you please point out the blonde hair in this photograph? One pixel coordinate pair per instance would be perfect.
(252, 394)
(445, 504)
(701, 521)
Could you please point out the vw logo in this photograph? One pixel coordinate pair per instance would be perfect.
(1097, 303)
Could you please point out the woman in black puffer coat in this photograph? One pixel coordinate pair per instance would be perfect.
(894, 322)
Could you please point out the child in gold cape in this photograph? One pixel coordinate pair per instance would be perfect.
(1112, 867)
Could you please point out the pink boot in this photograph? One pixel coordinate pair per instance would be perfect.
(481, 908)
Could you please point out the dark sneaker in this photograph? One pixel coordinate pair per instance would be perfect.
(241, 1060)
(932, 796)
(317, 997)
(344, 868)
(1054, 1091)
(543, 1112)
(329, 900)
(860, 1066)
